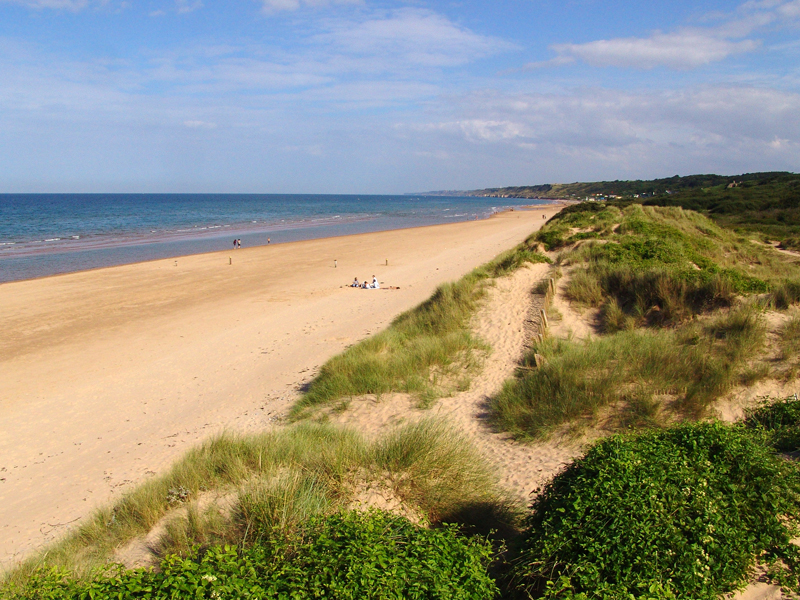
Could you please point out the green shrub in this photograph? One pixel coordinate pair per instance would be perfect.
(269, 484)
(347, 556)
(681, 513)
(778, 421)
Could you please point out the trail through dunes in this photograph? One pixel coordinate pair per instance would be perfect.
(504, 322)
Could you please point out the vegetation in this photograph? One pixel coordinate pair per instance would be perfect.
(661, 265)
(348, 556)
(767, 204)
(427, 351)
(667, 186)
(681, 513)
(692, 366)
(275, 482)
(779, 423)
(659, 269)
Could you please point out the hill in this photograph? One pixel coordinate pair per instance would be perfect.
(764, 203)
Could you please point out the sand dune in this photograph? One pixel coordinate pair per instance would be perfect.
(108, 375)
(520, 467)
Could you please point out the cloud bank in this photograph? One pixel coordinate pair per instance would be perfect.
(686, 48)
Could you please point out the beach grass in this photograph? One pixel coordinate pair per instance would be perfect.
(692, 366)
(679, 302)
(789, 347)
(428, 351)
(657, 266)
(238, 489)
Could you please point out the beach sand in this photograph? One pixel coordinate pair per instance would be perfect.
(107, 376)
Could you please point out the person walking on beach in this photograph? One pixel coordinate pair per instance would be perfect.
(234, 243)
(238, 243)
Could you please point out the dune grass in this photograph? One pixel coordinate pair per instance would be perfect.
(694, 365)
(659, 266)
(275, 481)
(658, 275)
(778, 421)
(428, 351)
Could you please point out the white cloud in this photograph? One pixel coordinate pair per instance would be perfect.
(591, 134)
(411, 37)
(727, 129)
(274, 6)
(382, 60)
(790, 10)
(685, 49)
(478, 130)
(199, 125)
(73, 5)
(185, 6)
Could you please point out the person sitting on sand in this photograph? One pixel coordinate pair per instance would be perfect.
(355, 283)
(364, 284)
(375, 284)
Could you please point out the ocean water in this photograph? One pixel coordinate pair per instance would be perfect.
(47, 234)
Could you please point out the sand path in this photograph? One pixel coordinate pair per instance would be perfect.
(520, 468)
(107, 376)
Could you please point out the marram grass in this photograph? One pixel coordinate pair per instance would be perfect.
(274, 482)
(695, 365)
(428, 351)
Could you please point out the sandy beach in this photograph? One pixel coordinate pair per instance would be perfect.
(109, 375)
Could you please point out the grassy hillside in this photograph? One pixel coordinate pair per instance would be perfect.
(656, 276)
(630, 188)
(764, 203)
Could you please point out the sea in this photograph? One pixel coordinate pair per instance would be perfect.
(48, 234)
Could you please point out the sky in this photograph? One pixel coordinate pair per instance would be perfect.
(391, 96)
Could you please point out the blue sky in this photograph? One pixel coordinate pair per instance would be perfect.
(360, 96)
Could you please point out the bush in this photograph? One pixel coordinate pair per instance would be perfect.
(345, 556)
(681, 513)
(778, 422)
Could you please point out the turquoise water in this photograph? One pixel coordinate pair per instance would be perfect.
(46, 234)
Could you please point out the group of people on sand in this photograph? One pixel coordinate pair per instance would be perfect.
(365, 285)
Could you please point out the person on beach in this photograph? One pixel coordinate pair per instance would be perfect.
(375, 284)
(234, 244)
(365, 285)
(238, 243)
(268, 241)
(355, 283)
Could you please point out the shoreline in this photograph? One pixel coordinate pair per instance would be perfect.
(555, 206)
(111, 374)
(21, 261)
